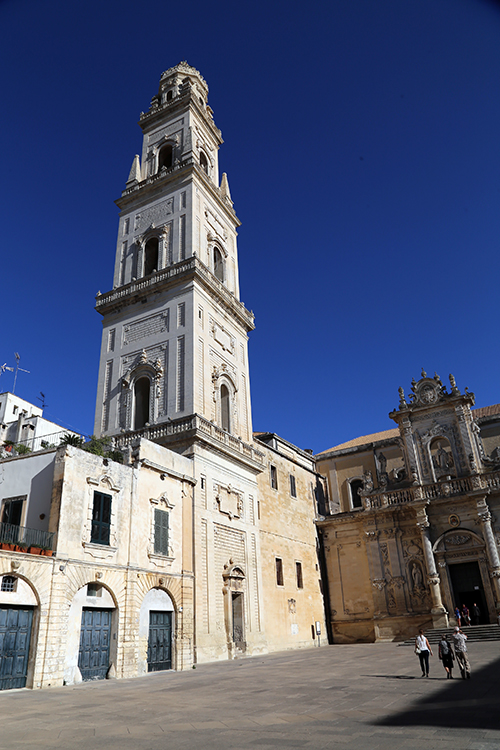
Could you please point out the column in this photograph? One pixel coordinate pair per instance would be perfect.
(439, 614)
(491, 548)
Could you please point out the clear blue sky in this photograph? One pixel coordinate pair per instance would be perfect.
(363, 155)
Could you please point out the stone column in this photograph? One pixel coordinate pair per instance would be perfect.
(439, 613)
(491, 548)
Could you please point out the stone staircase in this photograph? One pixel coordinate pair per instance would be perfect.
(473, 633)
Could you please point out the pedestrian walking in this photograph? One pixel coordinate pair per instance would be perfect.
(457, 616)
(465, 615)
(447, 656)
(476, 614)
(423, 649)
(460, 642)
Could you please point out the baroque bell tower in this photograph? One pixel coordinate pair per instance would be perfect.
(173, 360)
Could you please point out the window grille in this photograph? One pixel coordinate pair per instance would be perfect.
(101, 518)
(161, 532)
(9, 583)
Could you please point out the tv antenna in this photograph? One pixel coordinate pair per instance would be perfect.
(42, 399)
(18, 357)
(4, 368)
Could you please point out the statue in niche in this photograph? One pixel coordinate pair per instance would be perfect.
(417, 577)
(382, 462)
(442, 459)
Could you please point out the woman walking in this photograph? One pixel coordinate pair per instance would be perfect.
(447, 656)
(423, 649)
(457, 616)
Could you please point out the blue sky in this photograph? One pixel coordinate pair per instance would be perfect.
(362, 146)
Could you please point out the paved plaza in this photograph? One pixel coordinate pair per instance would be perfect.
(363, 697)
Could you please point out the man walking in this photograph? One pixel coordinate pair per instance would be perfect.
(476, 614)
(461, 653)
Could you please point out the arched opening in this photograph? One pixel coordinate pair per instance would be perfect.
(225, 408)
(151, 256)
(18, 631)
(203, 162)
(218, 264)
(355, 488)
(142, 389)
(156, 632)
(91, 646)
(165, 157)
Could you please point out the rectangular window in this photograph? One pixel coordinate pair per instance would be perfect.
(298, 571)
(183, 199)
(111, 340)
(258, 510)
(161, 532)
(94, 589)
(293, 487)
(101, 518)
(279, 571)
(200, 316)
(126, 226)
(180, 374)
(182, 237)
(181, 314)
(12, 510)
(274, 477)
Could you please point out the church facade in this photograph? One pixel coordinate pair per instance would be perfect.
(413, 528)
(177, 554)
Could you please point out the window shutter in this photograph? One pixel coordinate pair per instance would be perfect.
(161, 532)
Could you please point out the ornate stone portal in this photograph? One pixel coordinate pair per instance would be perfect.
(428, 527)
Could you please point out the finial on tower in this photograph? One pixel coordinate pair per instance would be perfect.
(135, 170)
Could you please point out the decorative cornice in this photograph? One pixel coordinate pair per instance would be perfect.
(185, 270)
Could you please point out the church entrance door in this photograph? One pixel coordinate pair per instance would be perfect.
(468, 588)
(238, 619)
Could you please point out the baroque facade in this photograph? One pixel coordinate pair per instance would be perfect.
(178, 554)
(413, 526)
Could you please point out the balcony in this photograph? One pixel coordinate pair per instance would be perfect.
(384, 498)
(22, 539)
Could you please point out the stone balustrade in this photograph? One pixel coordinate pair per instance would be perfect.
(383, 498)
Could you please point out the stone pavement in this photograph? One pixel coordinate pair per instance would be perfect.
(359, 697)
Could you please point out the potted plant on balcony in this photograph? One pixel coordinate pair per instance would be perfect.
(21, 547)
(35, 549)
(8, 546)
(47, 551)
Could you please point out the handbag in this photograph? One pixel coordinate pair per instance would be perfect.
(417, 650)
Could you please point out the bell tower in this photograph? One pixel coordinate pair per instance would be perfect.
(174, 363)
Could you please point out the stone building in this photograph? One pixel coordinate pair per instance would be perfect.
(414, 521)
(170, 558)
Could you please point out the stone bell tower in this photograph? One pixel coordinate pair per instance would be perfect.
(174, 346)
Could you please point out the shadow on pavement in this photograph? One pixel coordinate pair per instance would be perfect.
(460, 703)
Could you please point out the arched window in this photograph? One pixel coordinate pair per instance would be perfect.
(218, 264)
(141, 392)
(203, 162)
(165, 157)
(151, 256)
(169, 95)
(225, 408)
(355, 487)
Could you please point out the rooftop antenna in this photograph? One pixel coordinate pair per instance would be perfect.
(4, 368)
(18, 357)
(42, 399)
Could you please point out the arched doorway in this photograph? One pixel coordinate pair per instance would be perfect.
(91, 648)
(18, 606)
(234, 608)
(156, 628)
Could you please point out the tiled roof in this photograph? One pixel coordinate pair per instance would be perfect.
(376, 436)
(487, 411)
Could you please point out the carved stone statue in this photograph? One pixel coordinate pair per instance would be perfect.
(417, 577)
(367, 481)
(382, 463)
(442, 459)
